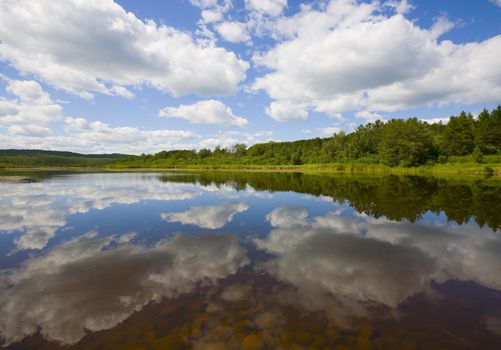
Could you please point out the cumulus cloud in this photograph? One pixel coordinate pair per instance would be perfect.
(205, 112)
(210, 16)
(97, 137)
(268, 7)
(85, 47)
(30, 118)
(42, 297)
(100, 138)
(38, 210)
(105, 135)
(286, 111)
(31, 104)
(235, 32)
(208, 216)
(352, 56)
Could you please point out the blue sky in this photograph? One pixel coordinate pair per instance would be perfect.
(143, 76)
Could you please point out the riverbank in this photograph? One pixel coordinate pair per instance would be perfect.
(447, 168)
(451, 168)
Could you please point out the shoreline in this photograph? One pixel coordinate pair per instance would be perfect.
(451, 169)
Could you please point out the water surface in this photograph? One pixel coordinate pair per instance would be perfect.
(250, 261)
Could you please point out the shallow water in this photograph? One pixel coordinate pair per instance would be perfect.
(250, 261)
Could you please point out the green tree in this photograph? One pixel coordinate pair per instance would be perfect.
(406, 142)
(477, 155)
(459, 138)
(488, 131)
(365, 140)
(204, 153)
(239, 149)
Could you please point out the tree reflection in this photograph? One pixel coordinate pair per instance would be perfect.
(395, 197)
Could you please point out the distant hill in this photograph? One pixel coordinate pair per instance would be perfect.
(29, 158)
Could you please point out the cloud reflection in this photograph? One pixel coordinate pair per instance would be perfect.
(111, 278)
(39, 209)
(344, 264)
(207, 216)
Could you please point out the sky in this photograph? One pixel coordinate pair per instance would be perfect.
(132, 76)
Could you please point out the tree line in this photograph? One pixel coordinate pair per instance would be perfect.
(397, 142)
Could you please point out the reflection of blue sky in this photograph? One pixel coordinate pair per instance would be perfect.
(63, 207)
(36, 211)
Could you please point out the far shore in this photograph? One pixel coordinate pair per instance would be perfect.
(446, 169)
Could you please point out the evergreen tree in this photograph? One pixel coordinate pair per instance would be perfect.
(459, 137)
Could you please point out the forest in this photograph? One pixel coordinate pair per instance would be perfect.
(397, 142)
(42, 158)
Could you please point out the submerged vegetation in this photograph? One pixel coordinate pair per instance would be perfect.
(464, 143)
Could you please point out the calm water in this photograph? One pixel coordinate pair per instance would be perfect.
(250, 261)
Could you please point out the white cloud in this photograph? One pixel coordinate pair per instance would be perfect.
(444, 120)
(96, 137)
(441, 26)
(41, 295)
(205, 112)
(31, 105)
(329, 130)
(210, 16)
(209, 216)
(28, 130)
(230, 138)
(213, 142)
(341, 59)
(369, 116)
(30, 120)
(269, 7)
(235, 32)
(400, 6)
(286, 111)
(103, 133)
(85, 47)
(223, 5)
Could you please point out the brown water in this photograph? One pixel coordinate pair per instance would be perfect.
(250, 261)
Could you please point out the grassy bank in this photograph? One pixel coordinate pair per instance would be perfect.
(453, 168)
(468, 168)
(455, 165)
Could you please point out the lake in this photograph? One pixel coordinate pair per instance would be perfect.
(250, 261)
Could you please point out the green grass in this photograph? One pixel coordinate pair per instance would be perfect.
(457, 168)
